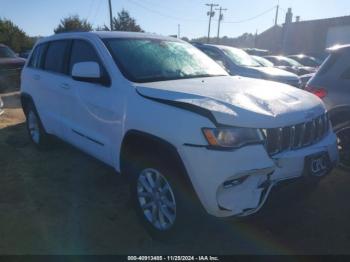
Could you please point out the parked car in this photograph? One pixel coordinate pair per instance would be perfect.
(1, 107)
(262, 61)
(10, 68)
(256, 51)
(290, 65)
(238, 62)
(331, 83)
(305, 79)
(186, 134)
(306, 60)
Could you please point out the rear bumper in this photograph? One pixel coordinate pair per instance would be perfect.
(237, 183)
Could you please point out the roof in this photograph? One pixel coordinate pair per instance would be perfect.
(338, 47)
(107, 34)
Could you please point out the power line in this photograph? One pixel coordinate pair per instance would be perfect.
(97, 11)
(151, 10)
(92, 3)
(250, 19)
(163, 14)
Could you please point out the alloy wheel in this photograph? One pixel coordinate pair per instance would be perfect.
(156, 199)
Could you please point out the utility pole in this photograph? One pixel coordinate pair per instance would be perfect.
(277, 9)
(221, 17)
(178, 31)
(110, 15)
(211, 14)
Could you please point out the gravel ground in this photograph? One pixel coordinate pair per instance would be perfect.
(62, 201)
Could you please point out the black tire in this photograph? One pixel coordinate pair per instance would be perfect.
(187, 210)
(342, 130)
(40, 139)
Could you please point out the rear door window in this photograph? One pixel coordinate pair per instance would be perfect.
(56, 56)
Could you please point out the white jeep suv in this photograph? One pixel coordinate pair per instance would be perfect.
(169, 118)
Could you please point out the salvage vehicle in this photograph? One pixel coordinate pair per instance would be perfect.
(238, 62)
(10, 68)
(331, 84)
(188, 136)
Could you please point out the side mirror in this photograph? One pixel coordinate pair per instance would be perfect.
(87, 72)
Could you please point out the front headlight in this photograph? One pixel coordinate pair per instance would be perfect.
(232, 137)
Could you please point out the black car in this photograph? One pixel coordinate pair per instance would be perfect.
(290, 65)
(10, 68)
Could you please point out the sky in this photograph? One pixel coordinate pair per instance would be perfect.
(40, 17)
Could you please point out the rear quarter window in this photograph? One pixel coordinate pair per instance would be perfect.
(37, 59)
(328, 64)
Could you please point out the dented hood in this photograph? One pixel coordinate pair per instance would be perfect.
(238, 101)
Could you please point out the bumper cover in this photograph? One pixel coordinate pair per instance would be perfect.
(237, 183)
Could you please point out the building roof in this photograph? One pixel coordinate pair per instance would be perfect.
(339, 19)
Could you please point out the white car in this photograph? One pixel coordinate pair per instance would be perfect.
(168, 117)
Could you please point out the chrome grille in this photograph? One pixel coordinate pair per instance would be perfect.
(296, 136)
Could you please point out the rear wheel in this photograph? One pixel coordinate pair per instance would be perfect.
(343, 137)
(35, 128)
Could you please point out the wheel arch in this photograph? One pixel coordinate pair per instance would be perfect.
(139, 142)
(26, 99)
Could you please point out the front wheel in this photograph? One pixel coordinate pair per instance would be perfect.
(161, 201)
(343, 137)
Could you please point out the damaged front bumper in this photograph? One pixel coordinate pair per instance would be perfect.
(237, 183)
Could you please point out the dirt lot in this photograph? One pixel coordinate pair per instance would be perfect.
(64, 202)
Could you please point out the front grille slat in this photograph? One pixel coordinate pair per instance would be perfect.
(296, 136)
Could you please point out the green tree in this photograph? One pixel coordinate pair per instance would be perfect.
(102, 28)
(73, 23)
(124, 22)
(14, 37)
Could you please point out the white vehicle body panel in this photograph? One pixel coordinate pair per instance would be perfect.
(95, 119)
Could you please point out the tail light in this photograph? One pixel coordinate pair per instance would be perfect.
(320, 92)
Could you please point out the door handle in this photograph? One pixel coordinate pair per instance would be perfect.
(36, 77)
(65, 86)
